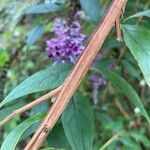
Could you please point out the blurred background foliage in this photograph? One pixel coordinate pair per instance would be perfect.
(24, 28)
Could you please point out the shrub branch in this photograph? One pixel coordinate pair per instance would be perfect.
(77, 74)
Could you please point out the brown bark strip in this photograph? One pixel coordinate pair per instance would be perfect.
(80, 69)
(31, 105)
(118, 29)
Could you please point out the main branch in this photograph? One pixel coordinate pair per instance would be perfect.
(77, 74)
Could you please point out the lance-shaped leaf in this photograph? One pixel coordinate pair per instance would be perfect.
(78, 123)
(44, 8)
(92, 9)
(6, 111)
(49, 78)
(124, 87)
(34, 34)
(145, 13)
(138, 41)
(13, 138)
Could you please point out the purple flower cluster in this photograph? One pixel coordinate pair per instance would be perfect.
(67, 43)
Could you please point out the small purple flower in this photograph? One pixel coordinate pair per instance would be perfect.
(60, 27)
(67, 43)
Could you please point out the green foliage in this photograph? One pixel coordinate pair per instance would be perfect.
(6, 111)
(131, 69)
(4, 57)
(137, 39)
(140, 137)
(35, 34)
(44, 8)
(12, 139)
(118, 120)
(57, 138)
(78, 123)
(145, 13)
(125, 88)
(49, 78)
(15, 11)
(92, 9)
(129, 143)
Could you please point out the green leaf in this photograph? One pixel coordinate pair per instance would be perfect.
(110, 43)
(30, 130)
(130, 68)
(34, 34)
(57, 138)
(6, 111)
(145, 13)
(78, 123)
(114, 126)
(12, 139)
(40, 108)
(92, 9)
(4, 57)
(129, 143)
(44, 8)
(138, 41)
(124, 87)
(140, 137)
(49, 78)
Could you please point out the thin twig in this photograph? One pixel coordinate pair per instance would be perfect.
(110, 141)
(77, 74)
(31, 105)
(118, 29)
(123, 111)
